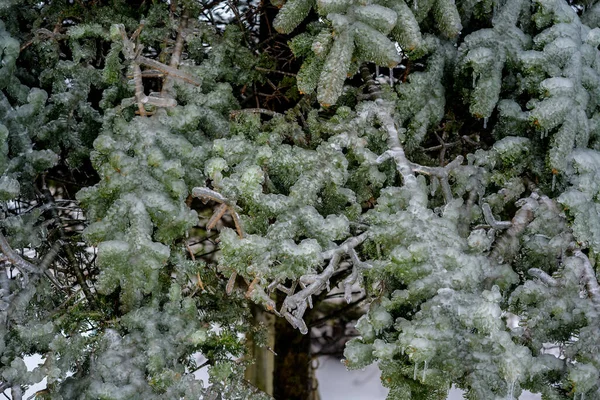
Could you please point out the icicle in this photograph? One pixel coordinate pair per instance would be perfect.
(553, 182)
(474, 79)
(433, 186)
(391, 77)
(424, 370)
(348, 294)
(511, 390)
(415, 373)
(328, 288)
(485, 120)
(376, 71)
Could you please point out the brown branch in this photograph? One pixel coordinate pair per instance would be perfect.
(69, 251)
(176, 56)
(275, 71)
(206, 194)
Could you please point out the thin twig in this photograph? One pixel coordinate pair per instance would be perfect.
(274, 71)
(270, 113)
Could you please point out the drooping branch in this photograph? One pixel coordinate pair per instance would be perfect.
(295, 304)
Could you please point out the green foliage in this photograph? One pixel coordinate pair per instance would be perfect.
(461, 193)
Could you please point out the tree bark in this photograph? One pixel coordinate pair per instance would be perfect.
(292, 377)
(260, 374)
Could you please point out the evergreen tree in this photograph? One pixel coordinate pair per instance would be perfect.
(175, 173)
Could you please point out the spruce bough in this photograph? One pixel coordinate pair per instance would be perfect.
(151, 189)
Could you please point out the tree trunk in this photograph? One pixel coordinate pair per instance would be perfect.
(260, 374)
(292, 378)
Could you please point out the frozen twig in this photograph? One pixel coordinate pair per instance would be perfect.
(441, 173)
(489, 218)
(172, 72)
(543, 276)
(345, 247)
(405, 167)
(226, 205)
(357, 268)
(297, 303)
(264, 111)
(176, 55)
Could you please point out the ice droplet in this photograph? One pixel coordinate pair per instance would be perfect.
(511, 390)
(415, 373)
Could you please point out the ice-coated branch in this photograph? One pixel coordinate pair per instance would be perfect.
(491, 221)
(357, 268)
(140, 97)
(207, 194)
(15, 259)
(395, 150)
(508, 244)
(297, 303)
(16, 392)
(176, 55)
(543, 276)
(172, 72)
(345, 247)
(407, 168)
(441, 173)
(589, 277)
(264, 111)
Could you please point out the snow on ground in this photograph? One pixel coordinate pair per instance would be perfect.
(337, 383)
